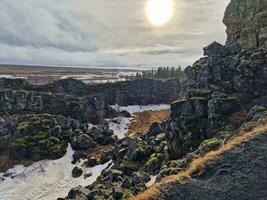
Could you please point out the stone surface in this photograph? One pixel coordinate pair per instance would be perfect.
(246, 23)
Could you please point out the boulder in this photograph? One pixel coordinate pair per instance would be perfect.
(82, 142)
(77, 172)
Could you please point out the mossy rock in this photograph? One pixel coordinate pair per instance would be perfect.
(22, 126)
(54, 140)
(154, 163)
(128, 165)
(214, 142)
(40, 136)
(57, 151)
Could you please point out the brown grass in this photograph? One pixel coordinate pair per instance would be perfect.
(198, 165)
(142, 121)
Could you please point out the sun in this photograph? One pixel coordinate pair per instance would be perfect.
(159, 12)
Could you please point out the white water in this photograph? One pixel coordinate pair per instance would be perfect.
(48, 182)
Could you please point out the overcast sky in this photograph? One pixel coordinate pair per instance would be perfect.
(106, 32)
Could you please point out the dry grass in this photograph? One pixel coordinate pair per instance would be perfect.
(142, 121)
(198, 165)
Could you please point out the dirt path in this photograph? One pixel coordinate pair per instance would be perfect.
(142, 121)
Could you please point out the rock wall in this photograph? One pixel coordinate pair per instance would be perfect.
(84, 109)
(139, 92)
(246, 24)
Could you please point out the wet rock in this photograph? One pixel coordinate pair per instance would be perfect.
(76, 172)
(91, 162)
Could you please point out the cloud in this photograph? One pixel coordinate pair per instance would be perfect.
(95, 33)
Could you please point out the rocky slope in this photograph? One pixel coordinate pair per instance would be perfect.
(226, 93)
(238, 174)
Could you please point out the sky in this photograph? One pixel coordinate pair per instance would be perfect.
(102, 33)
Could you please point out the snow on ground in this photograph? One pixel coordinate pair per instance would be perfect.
(121, 125)
(46, 180)
(152, 181)
(139, 108)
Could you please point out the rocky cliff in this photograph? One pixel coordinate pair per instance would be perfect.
(225, 97)
(223, 86)
(85, 109)
(246, 24)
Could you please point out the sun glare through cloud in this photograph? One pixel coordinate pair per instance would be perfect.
(159, 12)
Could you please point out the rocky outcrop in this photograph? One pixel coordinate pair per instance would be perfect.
(139, 92)
(238, 174)
(43, 136)
(219, 85)
(246, 24)
(84, 109)
(13, 83)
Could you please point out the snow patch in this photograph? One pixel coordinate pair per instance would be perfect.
(152, 181)
(48, 179)
(120, 126)
(140, 108)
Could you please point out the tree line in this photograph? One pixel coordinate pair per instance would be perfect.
(161, 73)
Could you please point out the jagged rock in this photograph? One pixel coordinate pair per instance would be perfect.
(76, 172)
(84, 109)
(215, 48)
(140, 177)
(117, 193)
(79, 191)
(126, 184)
(255, 110)
(82, 142)
(246, 24)
(219, 108)
(91, 162)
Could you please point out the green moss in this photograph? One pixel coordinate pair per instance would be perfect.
(23, 126)
(56, 128)
(53, 139)
(40, 136)
(37, 151)
(212, 143)
(128, 164)
(152, 160)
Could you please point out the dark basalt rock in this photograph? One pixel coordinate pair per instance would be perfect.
(246, 24)
(76, 172)
(228, 176)
(215, 48)
(82, 142)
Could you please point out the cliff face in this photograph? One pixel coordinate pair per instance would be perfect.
(139, 92)
(223, 82)
(246, 24)
(85, 109)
